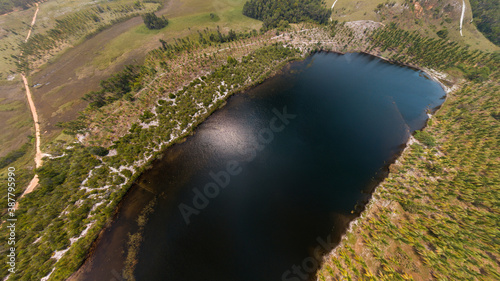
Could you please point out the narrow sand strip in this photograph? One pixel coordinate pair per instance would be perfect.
(462, 17)
(331, 16)
(32, 23)
(38, 156)
(334, 4)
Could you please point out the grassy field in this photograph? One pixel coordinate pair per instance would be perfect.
(426, 17)
(181, 24)
(15, 118)
(14, 26)
(13, 30)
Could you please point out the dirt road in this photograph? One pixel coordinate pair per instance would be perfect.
(32, 23)
(334, 4)
(462, 17)
(38, 156)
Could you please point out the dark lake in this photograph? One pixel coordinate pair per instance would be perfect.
(272, 179)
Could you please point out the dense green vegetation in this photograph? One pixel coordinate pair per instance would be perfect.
(116, 86)
(40, 212)
(425, 138)
(9, 5)
(486, 15)
(476, 73)
(280, 12)
(99, 151)
(412, 48)
(152, 21)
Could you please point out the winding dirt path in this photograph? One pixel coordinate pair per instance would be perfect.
(38, 156)
(32, 23)
(331, 16)
(334, 4)
(462, 17)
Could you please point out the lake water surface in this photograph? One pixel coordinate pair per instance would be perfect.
(272, 179)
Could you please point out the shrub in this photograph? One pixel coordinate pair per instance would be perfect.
(214, 17)
(152, 21)
(146, 116)
(231, 60)
(443, 33)
(425, 138)
(99, 151)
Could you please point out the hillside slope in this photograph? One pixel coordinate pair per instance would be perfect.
(428, 17)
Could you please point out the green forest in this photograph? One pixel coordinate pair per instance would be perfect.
(9, 5)
(281, 12)
(486, 15)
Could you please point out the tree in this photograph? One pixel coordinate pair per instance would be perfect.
(99, 151)
(443, 33)
(273, 12)
(486, 14)
(231, 60)
(9, 5)
(152, 21)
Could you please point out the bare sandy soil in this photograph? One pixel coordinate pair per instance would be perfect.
(38, 155)
(32, 22)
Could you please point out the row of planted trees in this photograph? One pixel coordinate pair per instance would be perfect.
(410, 47)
